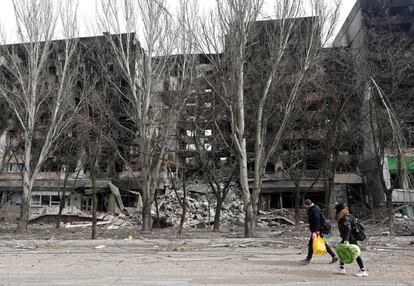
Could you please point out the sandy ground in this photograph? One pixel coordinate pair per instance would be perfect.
(200, 258)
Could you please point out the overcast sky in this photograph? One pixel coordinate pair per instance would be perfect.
(87, 14)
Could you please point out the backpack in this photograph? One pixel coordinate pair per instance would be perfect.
(357, 229)
(326, 225)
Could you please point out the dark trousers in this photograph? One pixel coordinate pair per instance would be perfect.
(358, 260)
(310, 249)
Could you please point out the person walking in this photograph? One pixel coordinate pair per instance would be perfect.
(345, 230)
(315, 226)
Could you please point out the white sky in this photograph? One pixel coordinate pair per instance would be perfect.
(86, 14)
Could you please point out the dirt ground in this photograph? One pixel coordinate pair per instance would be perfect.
(126, 256)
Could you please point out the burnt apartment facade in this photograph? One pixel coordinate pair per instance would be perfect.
(299, 168)
(315, 161)
(380, 34)
(66, 172)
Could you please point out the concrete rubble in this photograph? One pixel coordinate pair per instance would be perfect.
(200, 213)
(200, 210)
(404, 225)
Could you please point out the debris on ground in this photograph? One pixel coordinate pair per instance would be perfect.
(83, 224)
(276, 217)
(200, 210)
(404, 225)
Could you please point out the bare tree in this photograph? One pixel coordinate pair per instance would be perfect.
(152, 113)
(299, 151)
(9, 143)
(214, 152)
(229, 30)
(38, 93)
(285, 46)
(66, 151)
(338, 87)
(387, 125)
(6, 123)
(178, 183)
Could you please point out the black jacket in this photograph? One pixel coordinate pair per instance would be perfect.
(345, 229)
(314, 218)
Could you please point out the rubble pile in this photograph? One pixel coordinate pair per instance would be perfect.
(276, 217)
(107, 220)
(121, 220)
(200, 210)
(404, 225)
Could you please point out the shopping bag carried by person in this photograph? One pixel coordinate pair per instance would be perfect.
(318, 245)
(347, 253)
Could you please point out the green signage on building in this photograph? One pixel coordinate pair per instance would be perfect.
(408, 161)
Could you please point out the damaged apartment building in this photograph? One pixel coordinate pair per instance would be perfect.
(380, 34)
(66, 174)
(313, 158)
(325, 147)
(299, 166)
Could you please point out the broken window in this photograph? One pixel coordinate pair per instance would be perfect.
(54, 200)
(13, 135)
(52, 70)
(45, 200)
(15, 199)
(190, 133)
(67, 200)
(110, 67)
(207, 146)
(129, 200)
(190, 147)
(270, 168)
(35, 201)
(15, 167)
(86, 204)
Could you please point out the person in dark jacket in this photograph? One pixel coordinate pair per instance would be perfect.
(345, 230)
(315, 225)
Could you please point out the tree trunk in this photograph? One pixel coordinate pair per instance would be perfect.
(297, 205)
(184, 207)
(157, 210)
(249, 224)
(62, 200)
(25, 206)
(182, 218)
(390, 211)
(24, 215)
(146, 213)
(330, 202)
(61, 206)
(217, 215)
(94, 205)
(329, 183)
(255, 201)
(371, 205)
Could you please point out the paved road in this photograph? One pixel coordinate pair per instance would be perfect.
(189, 263)
(173, 281)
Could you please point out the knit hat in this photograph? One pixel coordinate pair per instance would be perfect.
(339, 207)
(307, 202)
